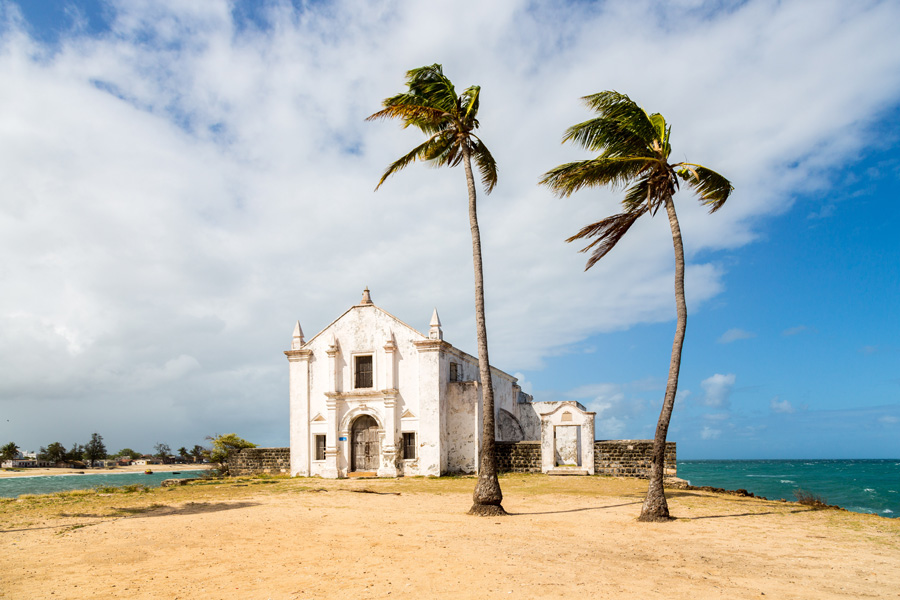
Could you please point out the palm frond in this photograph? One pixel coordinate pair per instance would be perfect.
(567, 179)
(431, 83)
(469, 106)
(659, 126)
(638, 194)
(606, 234)
(486, 164)
(432, 106)
(609, 136)
(442, 151)
(621, 108)
(712, 188)
(419, 152)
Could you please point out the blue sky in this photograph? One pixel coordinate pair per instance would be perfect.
(182, 181)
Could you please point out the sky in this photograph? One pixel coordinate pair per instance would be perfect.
(180, 182)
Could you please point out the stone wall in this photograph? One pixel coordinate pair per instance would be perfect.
(629, 458)
(518, 457)
(623, 458)
(251, 461)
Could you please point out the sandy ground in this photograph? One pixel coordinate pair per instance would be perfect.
(129, 469)
(567, 538)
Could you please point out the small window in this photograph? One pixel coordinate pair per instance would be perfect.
(409, 446)
(363, 370)
(320, 447)
(454, 371)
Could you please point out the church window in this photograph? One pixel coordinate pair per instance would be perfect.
(363, 371)
(320, 447)
(454, 372)
(409, 445)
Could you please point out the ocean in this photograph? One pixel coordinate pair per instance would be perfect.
(865, 486)
(12, 487)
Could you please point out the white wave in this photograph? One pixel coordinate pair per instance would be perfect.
(787, 481)
(868, 490)
(888, 511)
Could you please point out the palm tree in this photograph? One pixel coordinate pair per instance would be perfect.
(634, 153)
(432, 105)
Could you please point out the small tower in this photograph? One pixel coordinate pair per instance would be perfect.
(435, 332)
(297, 341)
(366, 298)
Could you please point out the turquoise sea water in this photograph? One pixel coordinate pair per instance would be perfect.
(12, 487)
(866, 486)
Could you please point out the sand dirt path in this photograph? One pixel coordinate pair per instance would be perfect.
(289, 542)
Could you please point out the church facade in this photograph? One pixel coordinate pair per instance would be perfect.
(371, 395)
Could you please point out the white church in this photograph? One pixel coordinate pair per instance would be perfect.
(371, 395)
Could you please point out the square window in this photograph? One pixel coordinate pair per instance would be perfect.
(363, 371)
(320, 447)
(409, 446)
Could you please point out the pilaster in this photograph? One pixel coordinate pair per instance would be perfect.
(430, 417)
(389, 447)
(298, 391)
(332, 451)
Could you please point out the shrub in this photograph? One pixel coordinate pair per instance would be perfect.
(807, 498)
(224, 447)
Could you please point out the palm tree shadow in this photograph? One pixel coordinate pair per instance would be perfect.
(752, 514)
(559, 512)
(191, 508)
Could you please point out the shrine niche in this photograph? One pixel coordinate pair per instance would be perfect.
(567, 438)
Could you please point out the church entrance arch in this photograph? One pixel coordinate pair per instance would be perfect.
(364, 445)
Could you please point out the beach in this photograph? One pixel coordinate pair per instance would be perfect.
(410, 538)
(39, 472)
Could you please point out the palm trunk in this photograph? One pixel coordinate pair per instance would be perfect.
(487, 495)
(655, 507)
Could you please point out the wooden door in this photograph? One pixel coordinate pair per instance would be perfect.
(366, 447)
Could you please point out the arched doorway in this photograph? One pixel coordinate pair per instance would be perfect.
(364, 447)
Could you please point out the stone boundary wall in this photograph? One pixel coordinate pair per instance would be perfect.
(629, 458)
(250, 461)
(622, 458)
(518, 457)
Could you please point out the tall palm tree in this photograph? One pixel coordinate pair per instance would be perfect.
(432, 105)
(634, 153)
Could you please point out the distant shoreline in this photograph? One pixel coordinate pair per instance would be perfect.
(46, 471)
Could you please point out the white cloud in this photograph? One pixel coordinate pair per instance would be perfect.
(717, 389)
(781, 406)
(717, 416)
(888, 419)
(709, 433)
(182, 187)
(733, 335)
(795, 330)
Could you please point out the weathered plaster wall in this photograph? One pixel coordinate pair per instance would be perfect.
(461, 437)
(568, 450)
